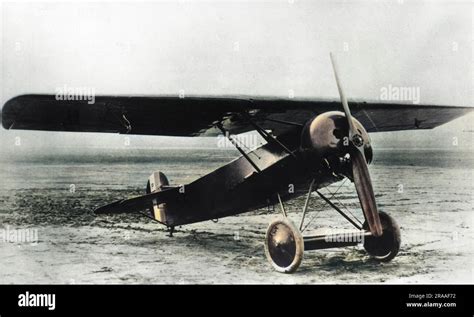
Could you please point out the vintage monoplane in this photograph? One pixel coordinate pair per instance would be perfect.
(309, 144)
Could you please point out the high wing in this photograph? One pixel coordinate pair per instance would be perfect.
(198, 116)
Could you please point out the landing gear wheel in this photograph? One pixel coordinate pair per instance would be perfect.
(385, 247)
(284, 245)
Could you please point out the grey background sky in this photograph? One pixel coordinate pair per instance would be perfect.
(236, 47)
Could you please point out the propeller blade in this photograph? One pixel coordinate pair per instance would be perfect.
(360, 170)
(345, 105)
(365, 192)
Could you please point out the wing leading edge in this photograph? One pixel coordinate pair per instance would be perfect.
(198, 116)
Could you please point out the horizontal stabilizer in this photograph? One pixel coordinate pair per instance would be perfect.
(139, 203)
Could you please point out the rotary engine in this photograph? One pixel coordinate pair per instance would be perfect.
(325, 138)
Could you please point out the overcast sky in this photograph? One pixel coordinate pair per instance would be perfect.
(238, 47)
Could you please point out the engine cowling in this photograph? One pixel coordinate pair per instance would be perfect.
(326, 136)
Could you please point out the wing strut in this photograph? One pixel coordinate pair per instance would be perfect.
(234, 142)
(267, 136)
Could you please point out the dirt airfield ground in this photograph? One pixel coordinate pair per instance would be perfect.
(230, 251)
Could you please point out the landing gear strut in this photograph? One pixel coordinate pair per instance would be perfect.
(285, 244)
